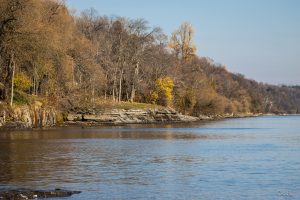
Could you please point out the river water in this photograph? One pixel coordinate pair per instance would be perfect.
(249, 158)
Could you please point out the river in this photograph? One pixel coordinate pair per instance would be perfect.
(247, 158)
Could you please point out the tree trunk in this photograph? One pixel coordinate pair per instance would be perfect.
(37, 88)
(120, 86)
(13, 65)
(132, 93)
(114, 86)
(113, 89)
(135, 77)
(113, 92)
(93, 94)
(105, 89)
(33, 87)
(73, 73)
(35, 81)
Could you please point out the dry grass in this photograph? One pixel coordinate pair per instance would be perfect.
(109, 104)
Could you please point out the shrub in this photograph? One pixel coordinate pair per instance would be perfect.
(21, 98)
(164, 89)
(22, 82)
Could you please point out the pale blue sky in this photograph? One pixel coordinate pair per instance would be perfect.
(258, 38)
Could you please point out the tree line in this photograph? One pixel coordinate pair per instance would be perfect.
(46, 51)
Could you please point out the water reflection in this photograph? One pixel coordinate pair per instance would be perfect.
(76, 155)
(25, 160)
(118, 133)
(238, 159)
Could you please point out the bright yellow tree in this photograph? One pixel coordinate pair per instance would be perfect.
(164, 89)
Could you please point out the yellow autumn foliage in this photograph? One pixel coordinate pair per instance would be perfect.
(153, 97)
(164, 89)
(22, 82)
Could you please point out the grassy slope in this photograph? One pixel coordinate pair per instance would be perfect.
(109, 104)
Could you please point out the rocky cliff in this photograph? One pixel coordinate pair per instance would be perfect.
(130, 116)
(38, 116)
(24, 117)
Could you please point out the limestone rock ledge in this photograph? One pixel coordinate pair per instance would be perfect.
(38, 116)
(131, 116)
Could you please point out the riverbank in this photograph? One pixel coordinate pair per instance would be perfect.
(127, 116)
(141, 116)
(38, 115)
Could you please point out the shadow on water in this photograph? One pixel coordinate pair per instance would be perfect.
(22, 160)
(199, 130)
(117, 133)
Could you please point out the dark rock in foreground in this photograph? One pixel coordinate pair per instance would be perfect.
(34, 194)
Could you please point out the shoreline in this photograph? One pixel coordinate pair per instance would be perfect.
(112, 119)
(37, 116)
(91, 124)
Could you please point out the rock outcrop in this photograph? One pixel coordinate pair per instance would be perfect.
(131, 116)
(38, 116)
(24, 117)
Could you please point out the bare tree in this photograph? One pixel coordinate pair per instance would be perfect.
(182, 42)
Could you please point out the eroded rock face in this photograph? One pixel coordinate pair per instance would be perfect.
(24, 117)
(37, 116)
(131, 116)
